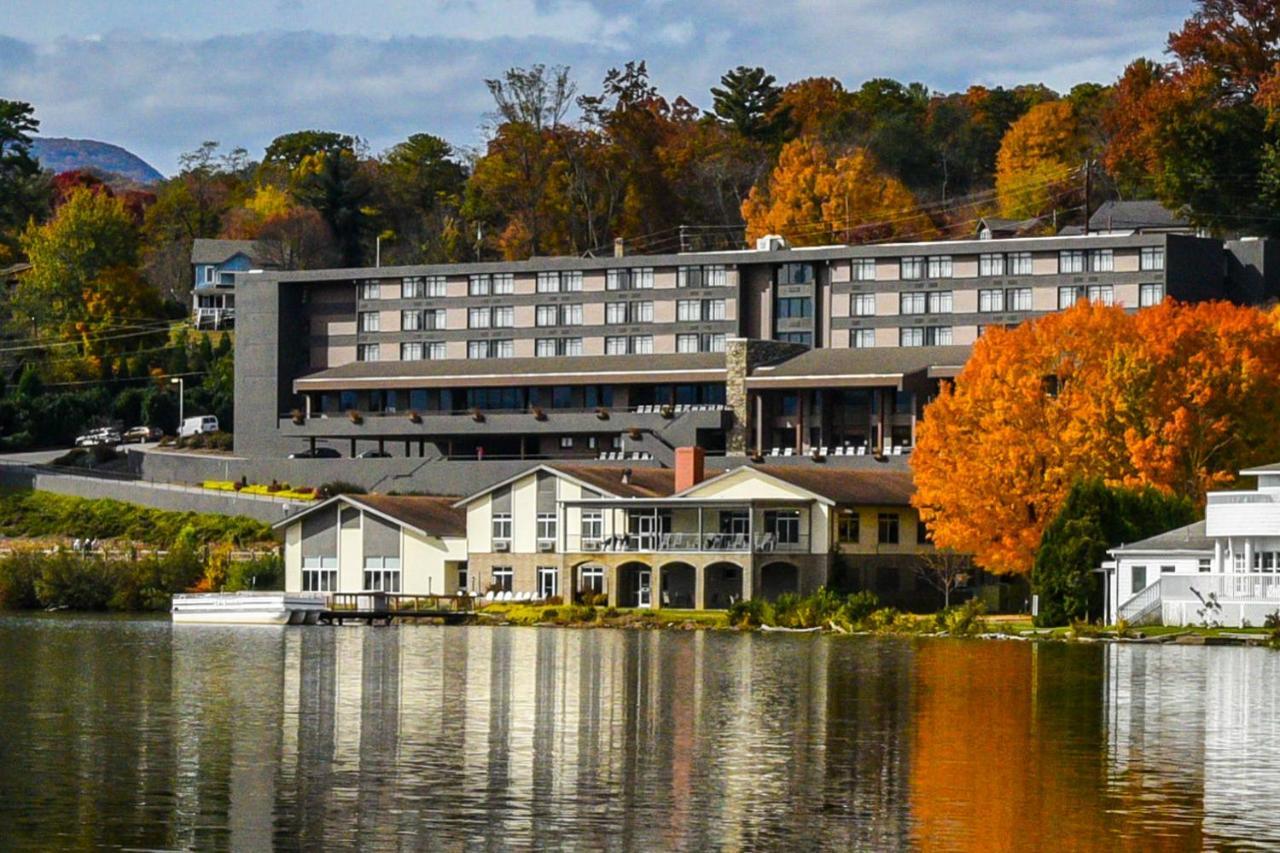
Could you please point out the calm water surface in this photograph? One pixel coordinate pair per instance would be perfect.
(136, 734)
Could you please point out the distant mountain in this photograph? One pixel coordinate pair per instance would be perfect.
(63, 155)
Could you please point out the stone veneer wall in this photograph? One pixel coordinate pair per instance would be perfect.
(740, 357)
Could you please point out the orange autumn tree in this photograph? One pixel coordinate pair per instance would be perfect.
(1179, 397)
(814, 198)
(1037, 158)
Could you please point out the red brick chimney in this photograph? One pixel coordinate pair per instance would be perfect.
(690, 465)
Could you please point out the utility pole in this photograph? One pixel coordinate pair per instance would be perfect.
(683, 247)
(1088, 189)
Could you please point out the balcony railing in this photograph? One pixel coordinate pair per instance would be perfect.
(1228, 498)
(529, 410)
(689, 543)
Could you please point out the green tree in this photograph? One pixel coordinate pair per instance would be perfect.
(291, 149)
(24, 189)
(749, 99)
(336, 186)
(160, 409)
(422, 184)
(1093, 519)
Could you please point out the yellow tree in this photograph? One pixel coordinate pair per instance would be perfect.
(1037, 159)
(813, 198)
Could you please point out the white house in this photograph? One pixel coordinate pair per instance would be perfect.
(1224, 570)
(399, 544)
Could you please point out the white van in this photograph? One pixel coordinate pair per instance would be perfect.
(198, 426)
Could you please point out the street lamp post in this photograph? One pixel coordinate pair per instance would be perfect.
(177, 380)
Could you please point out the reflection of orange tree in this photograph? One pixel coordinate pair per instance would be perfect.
(1008, 752)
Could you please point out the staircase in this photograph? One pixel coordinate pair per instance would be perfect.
(1144, 607)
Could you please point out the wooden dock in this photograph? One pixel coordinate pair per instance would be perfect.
(383, 608)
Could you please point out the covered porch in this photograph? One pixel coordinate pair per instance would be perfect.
(692, 582)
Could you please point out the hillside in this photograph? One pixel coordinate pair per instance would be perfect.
(61, 155)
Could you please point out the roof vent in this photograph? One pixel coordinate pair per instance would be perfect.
(771, 243)
(626, 476)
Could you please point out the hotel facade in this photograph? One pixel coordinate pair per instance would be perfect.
(827, 352)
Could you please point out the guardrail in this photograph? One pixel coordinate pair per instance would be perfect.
(760, 543)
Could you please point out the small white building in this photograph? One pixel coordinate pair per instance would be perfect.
(377, 543)
(1224, 570)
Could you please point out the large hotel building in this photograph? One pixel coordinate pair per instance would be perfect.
(772, 352)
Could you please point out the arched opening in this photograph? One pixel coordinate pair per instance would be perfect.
(679, 586)
(723, 585)
(778, 578)
(635, 585)
(590, 583)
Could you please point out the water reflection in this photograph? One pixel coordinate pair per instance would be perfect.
(139, 734)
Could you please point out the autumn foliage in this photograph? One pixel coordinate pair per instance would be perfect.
(1178, 396)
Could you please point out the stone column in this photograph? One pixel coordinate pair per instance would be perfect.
(700, 587)
(611, 578)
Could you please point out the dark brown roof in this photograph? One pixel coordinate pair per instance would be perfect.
(435, 516)
(863, 362)
(887, 488)
(525, 371)
(644, 482)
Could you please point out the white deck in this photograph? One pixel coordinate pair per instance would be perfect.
(1230, 600)
(248, 608)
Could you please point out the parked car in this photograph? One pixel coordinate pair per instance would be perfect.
(140, 434)
(198, 425)
(102, 436)
(374, 454)
(318, 453)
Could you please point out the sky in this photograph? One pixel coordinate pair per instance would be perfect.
(159, 77)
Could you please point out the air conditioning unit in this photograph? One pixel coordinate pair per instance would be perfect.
(771, 243)
(546, 546)
(502, 546)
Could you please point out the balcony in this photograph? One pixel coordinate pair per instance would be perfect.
(1243, 514)
(689, 542)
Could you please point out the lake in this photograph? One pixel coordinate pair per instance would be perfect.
(132, 733)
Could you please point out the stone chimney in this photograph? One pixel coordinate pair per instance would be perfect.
(690, 467)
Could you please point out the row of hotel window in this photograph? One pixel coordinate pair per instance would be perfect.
(1000, 299)
(545, 347)
(1150, 258)
(504, 316)
(569, 281)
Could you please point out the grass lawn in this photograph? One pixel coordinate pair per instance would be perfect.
(577, 614)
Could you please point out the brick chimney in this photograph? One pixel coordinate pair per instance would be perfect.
(690, 467)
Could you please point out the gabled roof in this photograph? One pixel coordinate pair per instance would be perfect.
(862, 366)
(206, 251)
(430, 516)
(831, 485)
(1189, 538)
(1000, 227)
(642, 482)
(1136, 215)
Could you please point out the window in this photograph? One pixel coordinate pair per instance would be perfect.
(504, 317)
(502, 349)
(504, 283)
(319, 574)
(642, 279)
(370, 290)
(548, 581)
(433, 319)
(690, 277)
(713, 342)
(864, 305)
(1139, 579)
(990, 264)
(1102, 260)
(382, 574)
(862, 338)
(435, 350)
(794, 307)
(687, 310)
(686, 343)
(633, 279)
(367, 352)
(642, 344)
(615, 313)
(940, 266)
(571, 282)
(571, 346)
(1103, 293)
(502, 527)
(1151, 258)
(1205, 564)
(847, 526)
(412, 287)
(571, 315)
(592, 579)
(547, 521)
(478, 318)
(479, 285)
(793, 274)
(592, 525)
(544, 347)
(937, 336)
(803, 338)
(1018, 299)
(911, 337)
(911, 268)
(1068, 296)
(411, 352)
(1150, 294)
(714, 275)
(410, 321)
(369, 321)
(713, 309)
(1168, 570)
(940, 302)
(784, 524)
(548, 282)
(912, 303)
(502, 578)
(1071, 261)
(888, 528)
(641, 312)
(1020, 263)
(990, 300)
(615, 345)
(548, 347)
(435, 285)
(864, 269)
(566, 442)
(545, 315)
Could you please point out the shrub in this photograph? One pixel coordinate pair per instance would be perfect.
(261, 573)
(751, 613)
(73, 581)
(962, 620)
(18, 574)
(341, 487)
(856, 608)
(550, 614)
